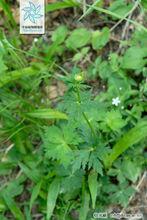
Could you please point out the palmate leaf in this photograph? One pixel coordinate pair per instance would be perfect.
(58, 142)
(133, 136)
(122, 195)
(87, 158)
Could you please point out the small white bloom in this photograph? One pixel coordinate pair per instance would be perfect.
(122, 107)
(116, 101)
(35, 40)
(120, 88)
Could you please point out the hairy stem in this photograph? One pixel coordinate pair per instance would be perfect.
(84, 114)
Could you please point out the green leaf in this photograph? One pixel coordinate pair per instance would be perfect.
(53, 192)
(12, 206)
(35, 193)
(60, 34)
(114, 120)
(133, 136)
(79, 56)
(122, 195)
(120, 7)
(47, 114)
(61, 5)
(56, 144)
(93, 186)
(78, 38)
(85, 206)
(100, 38)
(134, 58)
(34, 174)
(131, 170)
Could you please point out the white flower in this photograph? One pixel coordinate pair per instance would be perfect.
(35, 40)
(120, 88)
(116, 101)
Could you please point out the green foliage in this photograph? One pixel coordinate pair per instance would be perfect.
(78, 38)
(133, 136)
(93, 187)
(52, 197)
(120, 7)
(61, 5)
(72, 112)
(47, 114)
(99, 39)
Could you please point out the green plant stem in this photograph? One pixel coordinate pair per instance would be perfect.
(89, 124)
(84, 114)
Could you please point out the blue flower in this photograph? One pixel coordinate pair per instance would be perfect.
(32, 13)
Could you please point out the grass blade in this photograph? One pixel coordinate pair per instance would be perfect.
(12, 206)
(33, 175)
(47, 114)
(5, 6)
(105, 11)
(17, 74)
(133, 136)
(61, 5)
(52, 197)
(35, 193)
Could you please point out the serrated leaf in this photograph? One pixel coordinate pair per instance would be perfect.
(93, 186)
(57, 143)
(53, 192)
(47, 114)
